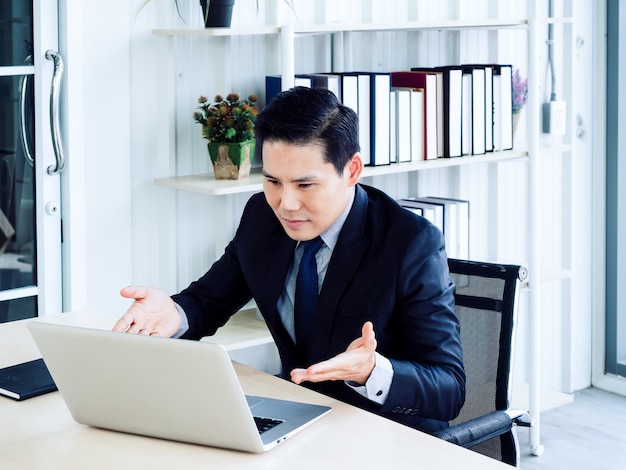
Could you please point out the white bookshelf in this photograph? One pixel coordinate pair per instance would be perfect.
(206, 184)
(340, 27)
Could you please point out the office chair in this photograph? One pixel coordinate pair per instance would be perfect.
(486, 304)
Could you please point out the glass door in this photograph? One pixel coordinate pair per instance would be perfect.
(615, 192)
(30, 219)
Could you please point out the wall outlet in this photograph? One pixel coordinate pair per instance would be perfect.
(554, 117)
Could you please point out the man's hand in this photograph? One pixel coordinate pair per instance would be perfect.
(152, 313)
(356, 364)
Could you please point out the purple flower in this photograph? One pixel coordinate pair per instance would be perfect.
(520, 91)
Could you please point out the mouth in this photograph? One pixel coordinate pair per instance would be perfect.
(293, 224)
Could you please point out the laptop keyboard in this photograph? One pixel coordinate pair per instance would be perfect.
(265, 424)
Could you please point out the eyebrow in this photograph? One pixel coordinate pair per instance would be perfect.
(304, 179)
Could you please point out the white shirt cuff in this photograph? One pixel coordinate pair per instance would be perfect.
(377, 386)
(184, 322)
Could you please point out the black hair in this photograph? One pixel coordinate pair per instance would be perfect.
(302, 116)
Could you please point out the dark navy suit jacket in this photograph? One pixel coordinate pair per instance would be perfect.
(389, 266)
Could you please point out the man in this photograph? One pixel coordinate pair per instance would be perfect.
(384, 335)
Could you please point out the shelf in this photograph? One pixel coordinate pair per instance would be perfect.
(492, 157)
(219, 32)
(550, 399)
(410, 26)
(207, 184)
(243, 330)
(348, 28)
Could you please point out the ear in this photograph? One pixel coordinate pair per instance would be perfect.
(354, 169)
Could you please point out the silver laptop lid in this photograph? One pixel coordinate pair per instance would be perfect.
(174, 389)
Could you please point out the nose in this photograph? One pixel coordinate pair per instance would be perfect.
(289, 200)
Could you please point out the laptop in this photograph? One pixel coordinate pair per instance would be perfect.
(166, 388)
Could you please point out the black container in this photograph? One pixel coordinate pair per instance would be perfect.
(220, 13)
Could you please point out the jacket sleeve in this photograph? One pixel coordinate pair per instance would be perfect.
(426, 354)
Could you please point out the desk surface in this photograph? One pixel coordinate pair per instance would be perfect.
(40, 432)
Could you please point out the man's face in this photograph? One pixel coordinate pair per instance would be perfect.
(305, 192)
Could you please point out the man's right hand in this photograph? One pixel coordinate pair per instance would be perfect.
(152, 313)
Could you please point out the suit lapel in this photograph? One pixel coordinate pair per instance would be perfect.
(275, 264)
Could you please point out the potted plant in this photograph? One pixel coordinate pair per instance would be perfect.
(520, 96)
(228, 125)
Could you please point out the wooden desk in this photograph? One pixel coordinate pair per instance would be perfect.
(39, 433)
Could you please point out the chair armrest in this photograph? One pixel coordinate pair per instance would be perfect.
(477, 430)
(520, 418)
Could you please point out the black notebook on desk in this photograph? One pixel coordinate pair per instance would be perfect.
(26, 380)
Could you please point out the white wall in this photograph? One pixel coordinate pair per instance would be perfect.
(97, 183)
(135, 109)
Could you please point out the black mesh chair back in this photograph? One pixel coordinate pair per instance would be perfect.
(486, 300)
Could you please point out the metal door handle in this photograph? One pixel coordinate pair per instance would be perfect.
(28, 155)
(55, 88)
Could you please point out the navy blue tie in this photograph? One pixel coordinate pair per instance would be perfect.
(306, 293)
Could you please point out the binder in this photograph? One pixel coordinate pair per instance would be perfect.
(502, 107)
(466, 113)
(477, 90)
(327, 81)
(393, 128)
(462, 225)
(452, 108)
(350, 91)
(380, 132)
(403, 132)
(428, 82)
(488, 108)
(273, 85)
(427, 206)
(488, 104)
(440, 106)
(363, 94)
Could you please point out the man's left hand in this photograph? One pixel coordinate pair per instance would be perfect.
(355, 364)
